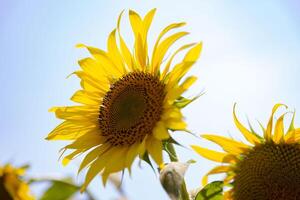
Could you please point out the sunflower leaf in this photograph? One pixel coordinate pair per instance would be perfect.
(212, 191)
(60, 190)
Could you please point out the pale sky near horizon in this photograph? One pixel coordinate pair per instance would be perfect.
(250, 56)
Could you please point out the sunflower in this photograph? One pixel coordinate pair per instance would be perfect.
(11, 185)
(267, 168)
(128, 103)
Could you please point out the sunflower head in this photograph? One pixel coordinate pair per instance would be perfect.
(129, 100)
(12, 187)
(266, 168)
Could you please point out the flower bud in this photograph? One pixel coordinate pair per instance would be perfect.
(171, 177)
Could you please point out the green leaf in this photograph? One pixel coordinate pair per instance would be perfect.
(212, 191)
(60, 190)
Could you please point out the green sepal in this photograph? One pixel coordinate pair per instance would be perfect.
(292, 127)
(182, 102)
(252, 130)
(146, 158)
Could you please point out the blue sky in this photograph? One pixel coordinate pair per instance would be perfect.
(250, 56)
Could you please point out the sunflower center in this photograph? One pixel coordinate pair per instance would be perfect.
(131, 108)
(268, 172)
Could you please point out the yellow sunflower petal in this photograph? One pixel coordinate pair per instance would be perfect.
(104, 60)
(214, 155)
(95, 168)
(228, 179)
(142, 147)
(68, 131)
(230, 146)
(86, 141)
(290, 137)
(163, 32)
(163, 47)
(140, 46)
(70, 157)
(252, 138)
(215, 170)
(92, 155)
(279, 130)
(114, 53)
(176, 92)
(182, 68)
(94, 69)
(167, 67)
(147, 22)
(136, 22)
(228, 195)
(116, 161)
(131, 155)
(268, 133)
(297, 134)
(171, 112)
(104, 178)
(91, 84)
(175, 124)
(154, 148)
(127, 56)
(86, 98)
(160, 131)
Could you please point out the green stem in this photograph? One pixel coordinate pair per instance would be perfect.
(174, 158)
(172, 153)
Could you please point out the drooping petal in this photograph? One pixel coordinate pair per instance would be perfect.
(70, 157)
(214, 155)
(230, 146)
(215, 170)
